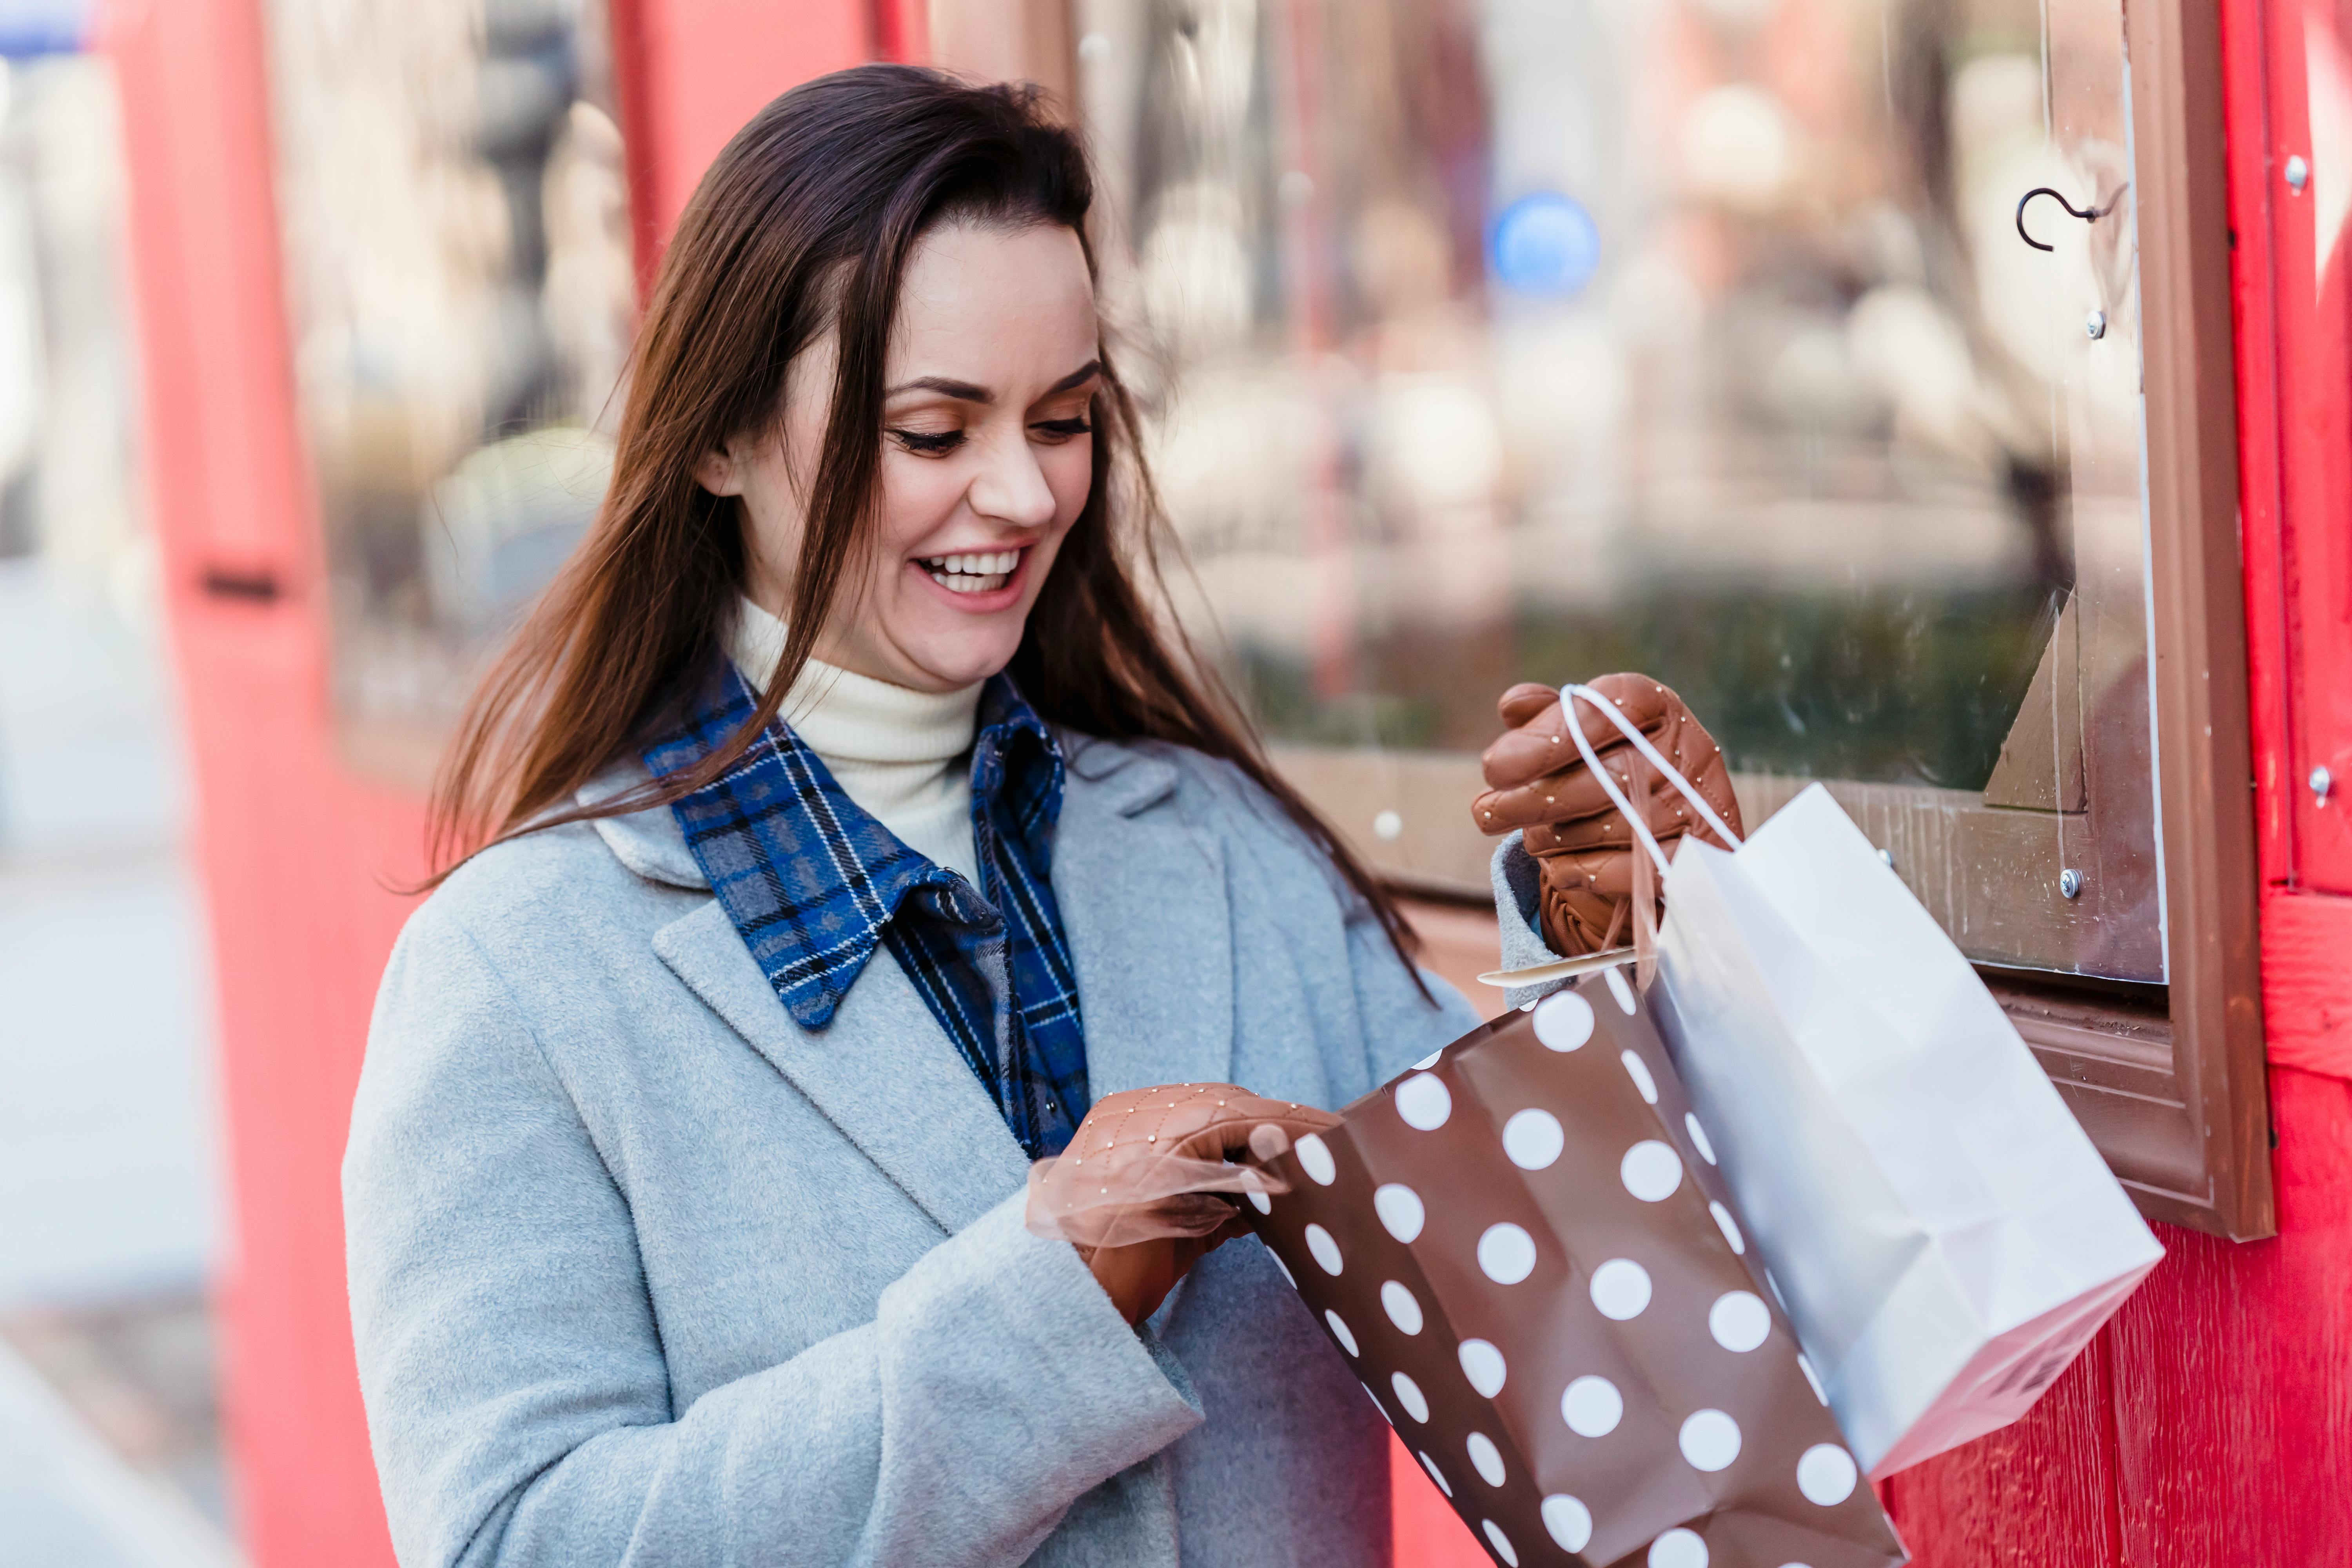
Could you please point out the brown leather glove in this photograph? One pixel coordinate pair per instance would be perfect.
(1537, 781)
(1150, 1179)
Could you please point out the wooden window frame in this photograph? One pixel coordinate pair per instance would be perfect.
(2173, 1091)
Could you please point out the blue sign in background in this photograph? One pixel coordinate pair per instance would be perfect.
(43, 26)
(1545, 243)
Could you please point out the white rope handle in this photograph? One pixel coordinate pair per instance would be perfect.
(1569, 697)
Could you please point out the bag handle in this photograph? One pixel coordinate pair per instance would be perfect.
(1570, 696)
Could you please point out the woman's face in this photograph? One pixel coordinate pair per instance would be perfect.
(986, 459)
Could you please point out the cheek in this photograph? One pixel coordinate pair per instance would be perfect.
(918, 494)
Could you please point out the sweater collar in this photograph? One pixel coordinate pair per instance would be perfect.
(851, 718)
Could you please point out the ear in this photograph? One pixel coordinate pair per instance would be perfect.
(718, 472)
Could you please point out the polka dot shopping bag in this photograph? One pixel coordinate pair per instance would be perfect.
(1526, 1251)
(1947, 1238)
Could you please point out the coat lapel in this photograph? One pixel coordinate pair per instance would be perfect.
(883, 1071)
(1144, 904)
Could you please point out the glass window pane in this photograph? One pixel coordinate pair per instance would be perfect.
(461, 290)
(1489, 340)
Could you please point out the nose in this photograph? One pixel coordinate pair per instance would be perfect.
(1011, 488)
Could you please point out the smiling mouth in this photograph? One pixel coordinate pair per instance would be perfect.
(980, 574)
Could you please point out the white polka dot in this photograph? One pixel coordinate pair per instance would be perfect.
(1563, 1021)
(1639, 1071)
(1278, 1263)
(1325, 1250)
(1503, 1548)
(1399, 1209)
(1698, 1136)
(1339, 1331)
(1261, 1203)
(1314, 1159)
(1730, 1231)
(1506, 1254)
(1621, 990)
(1435, 1474)
(1429, 1061)
(1424, 1103)
(1650, 1171)
(1482, 1364)
(1402, 1309)
(1376, 1403)
(1775, 1286)
(1487, 1458)
(1739, 1320)
(1826, 1475)
(1814, 1378)
(1409, 1395)
(1529, 1006)
(1591, 1406)
(1620, 1289)
(1677, 1548)
(1533, 1139)
(1710, 1439)
(1569, 1521)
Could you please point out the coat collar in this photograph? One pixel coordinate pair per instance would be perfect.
(648, 842)
(1134, 881)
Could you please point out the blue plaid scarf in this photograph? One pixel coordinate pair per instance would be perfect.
(814, 883)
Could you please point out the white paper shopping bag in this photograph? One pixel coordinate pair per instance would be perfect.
(1944, 1236)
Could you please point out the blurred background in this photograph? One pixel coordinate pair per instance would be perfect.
(112, 1208)
(1479, 341)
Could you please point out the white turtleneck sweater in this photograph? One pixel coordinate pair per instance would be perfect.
(902, 756)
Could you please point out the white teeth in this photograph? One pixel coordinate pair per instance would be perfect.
(997, 564)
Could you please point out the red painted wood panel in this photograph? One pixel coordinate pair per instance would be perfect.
(2262, 509)
(2234, 1368)
(2289, 75)
(2307, 981)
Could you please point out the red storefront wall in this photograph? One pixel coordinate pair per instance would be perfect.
(2210, 1425)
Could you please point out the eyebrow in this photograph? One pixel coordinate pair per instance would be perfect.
(965, 392)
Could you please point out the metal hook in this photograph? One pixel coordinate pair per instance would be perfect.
(2093, 215)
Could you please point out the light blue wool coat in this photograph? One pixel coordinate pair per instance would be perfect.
(642, 1272)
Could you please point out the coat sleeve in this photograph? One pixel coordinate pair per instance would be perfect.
(1517, 898)
(511, 1361)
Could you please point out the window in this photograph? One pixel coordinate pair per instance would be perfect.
(460, 291)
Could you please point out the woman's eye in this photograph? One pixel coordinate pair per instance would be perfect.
(1062, 429)
(930, 443)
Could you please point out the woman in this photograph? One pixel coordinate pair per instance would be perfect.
(858, 837)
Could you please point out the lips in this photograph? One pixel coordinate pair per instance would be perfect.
(981, 573)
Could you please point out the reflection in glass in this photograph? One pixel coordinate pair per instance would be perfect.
(460, 287)
(1490, 340)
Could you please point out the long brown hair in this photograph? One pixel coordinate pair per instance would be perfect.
(805, 222)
